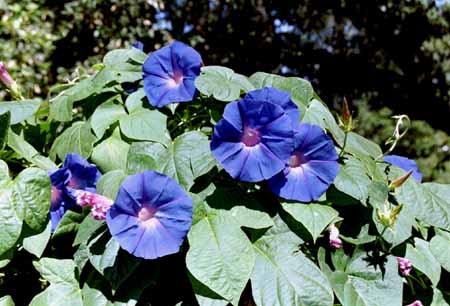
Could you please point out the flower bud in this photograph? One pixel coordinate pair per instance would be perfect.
(400, 180)
(335, 241)
(8, 81)
(346, 121)
(99, 204)
(388, 216)
(404, 265)
(416, 303)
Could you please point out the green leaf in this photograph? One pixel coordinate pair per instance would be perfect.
(26, 151)
(144, 124)
(314, 217)
(31, 197)
(61, 106)
(437, 201)
(64, 289)
(20, 110)
(57, 271)
(69, 223)
(220, 255)
(36, 244)
(109, 183)
(353, 180)
(88, 227)
(126, 64)
(105, 115)
(6, 301)
(423, 260)
(115, 265)
(438, 298)
(427, 202)
(439, 246)
(300, 89)
(363, 285)
(134, 101)
(222, 83)
(144, 155)
(111, 154)
(204, 295)
(362, 238)
(76, 139)
(4, 127)
(284, 276)
(10, 221)
(251, 218)
(185, 159)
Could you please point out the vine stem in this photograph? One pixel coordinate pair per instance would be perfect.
(343, 145)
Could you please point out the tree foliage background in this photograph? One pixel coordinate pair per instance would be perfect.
(387, 57)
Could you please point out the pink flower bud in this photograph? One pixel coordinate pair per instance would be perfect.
(99, 204)
(335, 241)
(84, 198)
(5, 77)
(405, 266)
(416, 303)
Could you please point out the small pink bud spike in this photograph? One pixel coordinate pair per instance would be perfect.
(9, 82)
(5, 77)
(416, 303)
(99, 204)
(404, 265)
(335, 241)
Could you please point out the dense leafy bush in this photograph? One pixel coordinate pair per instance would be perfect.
(280, 202)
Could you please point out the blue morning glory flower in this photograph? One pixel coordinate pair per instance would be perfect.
(151, 215)
(405, 164)
(255, 138)
(312, 166)
(138, 45)
(278, 97)
(76, 174)
(169, 74)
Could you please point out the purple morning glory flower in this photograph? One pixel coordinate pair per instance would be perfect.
(312, 166)
(76, 174)
(405, 164)
(254, 139)
(169, 74)
(151, 216)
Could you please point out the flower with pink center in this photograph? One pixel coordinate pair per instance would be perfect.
(334, 239)
(254, 139)
(311, 167)
(151, 215)
(404, 265)
(169, 74)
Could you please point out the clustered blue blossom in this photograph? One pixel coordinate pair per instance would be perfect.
(260, 138)
(74, 176)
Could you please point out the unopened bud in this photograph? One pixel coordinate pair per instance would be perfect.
(8, 81)
(400, 180)
(335, 241)
(416, 303)
(388, 216)
(404, 265)
(346, 120)
(99, 204)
